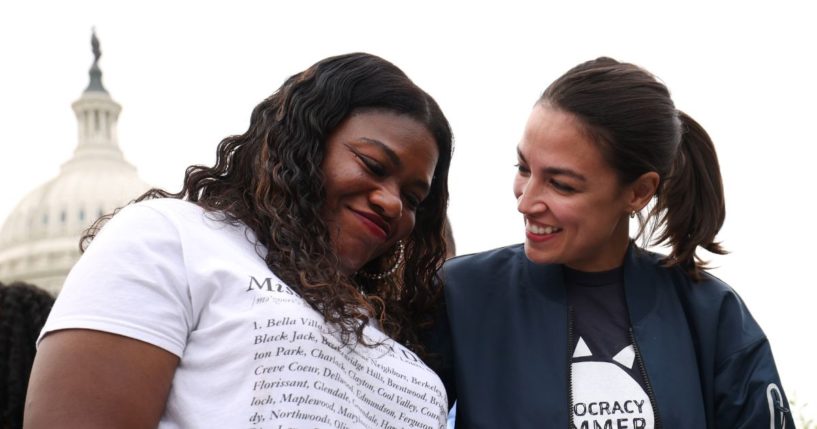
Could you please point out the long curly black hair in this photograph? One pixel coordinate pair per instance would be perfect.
(270, 180)
(23, 311)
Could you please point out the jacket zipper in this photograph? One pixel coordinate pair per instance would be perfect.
(569, 368)
(776, 407)
(646, 379)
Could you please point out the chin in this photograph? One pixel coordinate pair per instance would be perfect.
(539, 257)
(351, 267)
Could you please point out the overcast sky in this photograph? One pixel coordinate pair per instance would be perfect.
(188, 74)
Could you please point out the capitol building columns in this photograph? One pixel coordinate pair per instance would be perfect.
(39, 241)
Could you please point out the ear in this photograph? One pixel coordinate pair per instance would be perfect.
(642, 190)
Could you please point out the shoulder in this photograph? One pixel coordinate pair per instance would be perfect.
(709, 296)
(710, 288)
(169, 215)
(477, 264)
(169, 208)
(159, 226)
(716, 308)
(469, 275)
(736, 326)
(706, 292)
(139, 222)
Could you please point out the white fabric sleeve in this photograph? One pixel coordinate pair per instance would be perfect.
(131, 281)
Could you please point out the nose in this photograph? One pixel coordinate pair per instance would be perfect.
(529, 198)
(387, 202)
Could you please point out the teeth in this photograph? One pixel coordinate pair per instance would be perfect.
(541, 230)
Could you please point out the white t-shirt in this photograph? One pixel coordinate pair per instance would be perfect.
(253, 353)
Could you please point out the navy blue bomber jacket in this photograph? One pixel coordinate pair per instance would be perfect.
(502, 345)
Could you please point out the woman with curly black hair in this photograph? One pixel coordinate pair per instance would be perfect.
(282, 287)
(23, 310)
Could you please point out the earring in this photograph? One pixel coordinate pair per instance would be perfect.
(632, 214)
(400, 252)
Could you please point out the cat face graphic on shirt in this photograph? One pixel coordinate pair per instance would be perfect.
(604, 393)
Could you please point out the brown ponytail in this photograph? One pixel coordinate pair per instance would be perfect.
(689, 204)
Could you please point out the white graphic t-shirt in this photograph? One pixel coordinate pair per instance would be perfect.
(253, 354)
(608, 389)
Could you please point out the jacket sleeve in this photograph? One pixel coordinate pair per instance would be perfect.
(748, 392)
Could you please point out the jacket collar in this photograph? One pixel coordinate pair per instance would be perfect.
(663, 339)
(642, 273)
(642, 276)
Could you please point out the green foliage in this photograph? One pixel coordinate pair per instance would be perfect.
(801, 413)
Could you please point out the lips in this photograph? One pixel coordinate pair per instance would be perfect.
(374, 223)
(539, 232)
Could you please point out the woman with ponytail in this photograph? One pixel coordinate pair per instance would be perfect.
(579, 326)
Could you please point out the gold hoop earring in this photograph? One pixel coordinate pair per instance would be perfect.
(401, 251)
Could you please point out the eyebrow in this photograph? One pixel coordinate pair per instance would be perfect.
(392, 155)
(385, 149)
(553, 171)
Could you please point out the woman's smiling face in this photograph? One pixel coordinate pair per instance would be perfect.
(574, 207)
(378, 168)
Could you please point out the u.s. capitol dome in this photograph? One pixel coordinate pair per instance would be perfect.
(39, 241)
